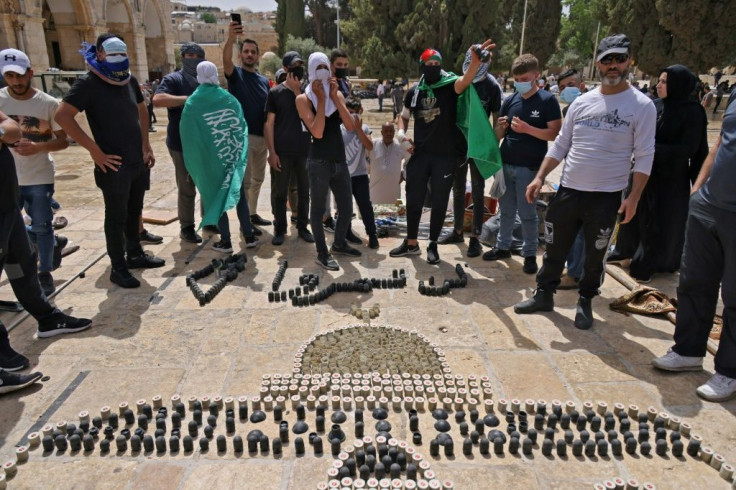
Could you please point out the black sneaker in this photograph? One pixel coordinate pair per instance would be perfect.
(306, 235)
(530, 265)
(124, 279)
(47, 283)
(293, 218)
(59, 323)
(329, 225)
(223, 246)
(496, 254)
(405, 249)
(474, 247)
(327, 262)
(350, 236)
(373, 241)
(13, 381)
(345, 249)
(144, 261)
(257, 220)
(584, 313)
(256, 231)
(541, 301)
(278, 239)
(150, 238)
(452, 237)
(61, 242)
(11, 360)
(433, 256)
(251, 241)
(189, 235)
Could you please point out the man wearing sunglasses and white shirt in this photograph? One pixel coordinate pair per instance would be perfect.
(603, 130)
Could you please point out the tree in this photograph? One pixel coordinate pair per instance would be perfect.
(270, 65)
(303, 46)
(542, 28)
(578, 28)
(470, 22)
(322, 25)
(289, 20)
(208, 18)
(697, 34)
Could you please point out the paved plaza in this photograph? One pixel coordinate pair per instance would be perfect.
(157, 340)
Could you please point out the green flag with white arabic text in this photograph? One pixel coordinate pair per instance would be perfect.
(214, 138)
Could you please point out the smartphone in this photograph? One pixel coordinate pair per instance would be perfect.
(235, 17)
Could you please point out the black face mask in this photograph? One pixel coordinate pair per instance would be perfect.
(297, 71)
(432, 74)
(341, 72)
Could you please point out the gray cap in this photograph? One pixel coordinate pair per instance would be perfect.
(290, 58)
(616, 44)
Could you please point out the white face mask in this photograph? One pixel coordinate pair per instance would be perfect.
(115, 58)
(322, 74)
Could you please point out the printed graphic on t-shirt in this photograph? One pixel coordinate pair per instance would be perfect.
(609, 121)
(429, 111)
(33, 128)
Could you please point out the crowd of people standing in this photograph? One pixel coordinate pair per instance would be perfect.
(628, 164)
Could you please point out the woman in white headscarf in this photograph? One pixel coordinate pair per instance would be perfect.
(322, 109)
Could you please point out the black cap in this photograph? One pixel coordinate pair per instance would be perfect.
(616, 44)
(290, 58)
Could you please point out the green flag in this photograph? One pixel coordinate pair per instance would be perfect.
(214, 138)
(482, 143)
(473, 122)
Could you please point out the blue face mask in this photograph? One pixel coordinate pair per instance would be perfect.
(569, 94)
(523, 87)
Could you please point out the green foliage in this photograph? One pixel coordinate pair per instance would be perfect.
(270, 65)
(208, 18)
(540, 35)
(578, 28)
(303, 46)
(321, 24)
(289, 21)
(698, 35)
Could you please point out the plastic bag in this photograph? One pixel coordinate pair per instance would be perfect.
(498, 188)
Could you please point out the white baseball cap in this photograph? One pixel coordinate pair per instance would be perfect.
(15, 61)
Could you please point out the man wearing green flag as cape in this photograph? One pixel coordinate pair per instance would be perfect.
(214, 138)
(445, 108)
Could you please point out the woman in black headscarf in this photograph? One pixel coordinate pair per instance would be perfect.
(681, 146)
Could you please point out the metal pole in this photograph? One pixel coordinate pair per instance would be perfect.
(523, 28)
(595, 47)
(338, 24)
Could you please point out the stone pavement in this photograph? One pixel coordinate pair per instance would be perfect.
(157, 340)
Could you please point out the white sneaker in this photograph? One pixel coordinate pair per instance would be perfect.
(719, 388)
(672, 361)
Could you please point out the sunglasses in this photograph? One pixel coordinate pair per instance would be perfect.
(614, 58)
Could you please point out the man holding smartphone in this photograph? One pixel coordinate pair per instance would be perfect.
(251, 89)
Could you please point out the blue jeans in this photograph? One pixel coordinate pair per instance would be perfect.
(514, 199)
(576, 256)
(243, 216)
(36, 200)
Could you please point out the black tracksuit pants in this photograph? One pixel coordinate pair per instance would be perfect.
(570, 210)
(708, 262)
(477, 183)
(438, 171)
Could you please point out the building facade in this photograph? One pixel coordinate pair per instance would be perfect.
(51, 32)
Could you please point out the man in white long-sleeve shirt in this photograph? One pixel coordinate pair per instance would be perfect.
(604, 129)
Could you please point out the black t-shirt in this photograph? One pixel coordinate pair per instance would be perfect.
(251, 90)
(490, 96)
(112, 113)
(8, 181)
(330, 146)
(524, 150)
(290, 137)
(435, 121)
(177, 83)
